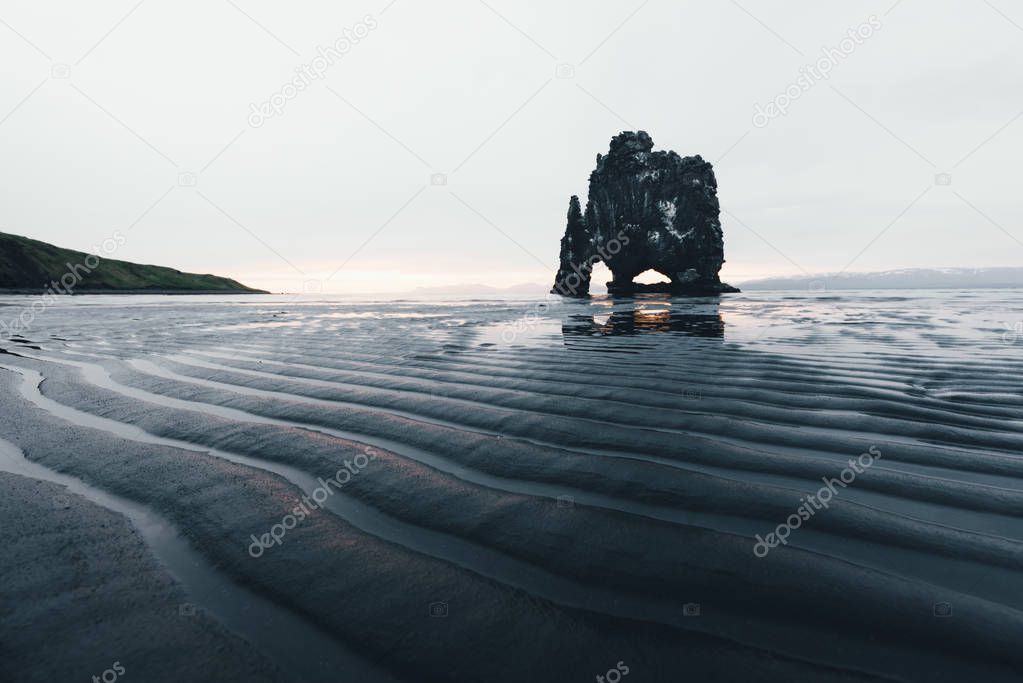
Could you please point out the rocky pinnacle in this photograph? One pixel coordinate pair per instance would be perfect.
(646, 210)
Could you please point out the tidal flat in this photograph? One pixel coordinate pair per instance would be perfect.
(324, 488)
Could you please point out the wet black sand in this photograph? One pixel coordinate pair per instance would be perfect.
(541, 504)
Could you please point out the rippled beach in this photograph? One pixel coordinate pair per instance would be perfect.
(321, 489)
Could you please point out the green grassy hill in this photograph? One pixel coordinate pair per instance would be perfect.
(27, 264)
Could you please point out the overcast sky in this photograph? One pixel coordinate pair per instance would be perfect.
(107, 109)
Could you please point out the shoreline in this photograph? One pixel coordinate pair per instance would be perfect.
(161, 292)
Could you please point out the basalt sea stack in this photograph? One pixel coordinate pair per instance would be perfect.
(646, 210)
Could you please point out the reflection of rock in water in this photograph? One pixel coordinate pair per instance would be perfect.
(639, 321)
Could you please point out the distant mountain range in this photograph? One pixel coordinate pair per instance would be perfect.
(29, 265)
(909, 278)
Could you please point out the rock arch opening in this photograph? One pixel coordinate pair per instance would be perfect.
(650, 277)
(600, 276)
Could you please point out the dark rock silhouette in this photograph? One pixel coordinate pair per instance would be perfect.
(646, 210)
